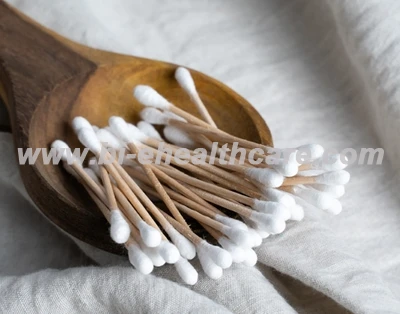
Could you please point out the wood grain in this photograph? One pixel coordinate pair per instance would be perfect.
(46, 80)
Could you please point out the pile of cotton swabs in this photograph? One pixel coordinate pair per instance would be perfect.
(237, 204)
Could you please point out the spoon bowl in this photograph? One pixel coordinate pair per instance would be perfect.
(47, 80)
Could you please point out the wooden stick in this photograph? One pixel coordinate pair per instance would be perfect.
(201, 218)
(131, 212)
(91, 184)
(214, 233)
(154, 143)
(112, 202)
(209, 187)
(135, 235)
(119, 172)
(179, 187)
(189, 117)
(195, 97)
(223, 136)
(148, 169)
(235, 207)
(210, 211)
(299, 180)
(227, 179)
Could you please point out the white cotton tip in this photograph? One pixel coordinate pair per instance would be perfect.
(335, 207)
(233, 223)
(139, 259)
(185, 80)
(108, 139)
(148, 97)
(251, 258)
(186, 271)
(154, 116)
(185, 247)
(92, 175)
(135, 133)
(268, 223)
(335, 191)
(79, 123)
(150, 236)
(340, 177)
(287, 169)
(120, 128)
(149, 130)
(95, 128)
(318, 199)
(119, 230)
(268, 177)
(89, 139)
(238, 236)
(262, 233)
(335, 163)
(296, 212)
(275, 195)
(275, 209)
(236, 251)
(219, 256)
(178, 137)
(210, 268)
(153, 254)
(63, 149)
(257, 239)
(313, 151)
(168, 252)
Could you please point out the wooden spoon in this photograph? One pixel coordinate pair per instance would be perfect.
(46, 80)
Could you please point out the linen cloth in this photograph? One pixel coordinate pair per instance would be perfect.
(319, 71)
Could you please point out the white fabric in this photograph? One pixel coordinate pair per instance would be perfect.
(325, 71)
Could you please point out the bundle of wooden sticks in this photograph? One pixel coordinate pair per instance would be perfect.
(236, 203)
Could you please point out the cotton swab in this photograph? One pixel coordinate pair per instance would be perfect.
(177, 137)
(265, 176)
(340, 177)
(137, 257)
(79, 123)
(167, 250)
(120, 230)
(150, 235)
(119, 227)
(120, 127)
(205, 170)
(236, 234)
(153, 254)
(186, 271)
(147, 96)
(149, 130)
(212, 258)
(258, 198)
(154, 116)
(235, 250)
(185, 80)
(274, 208)
(180, 199)
(273, 224)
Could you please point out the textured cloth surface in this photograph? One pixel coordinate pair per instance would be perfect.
(324, 71)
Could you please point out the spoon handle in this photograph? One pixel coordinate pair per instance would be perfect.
(33, 62)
